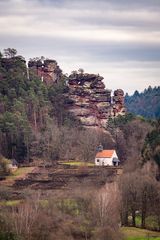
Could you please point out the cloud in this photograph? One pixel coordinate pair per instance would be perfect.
(70, 24)
(93, 34)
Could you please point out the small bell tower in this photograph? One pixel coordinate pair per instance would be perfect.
(99, 148)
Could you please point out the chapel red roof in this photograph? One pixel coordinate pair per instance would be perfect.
(105, 154)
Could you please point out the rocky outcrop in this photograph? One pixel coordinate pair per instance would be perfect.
(88, 99)
(92, 104)
(48, 70)
(118, 103)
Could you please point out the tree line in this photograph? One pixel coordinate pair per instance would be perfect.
(146, 103)
(138, 142)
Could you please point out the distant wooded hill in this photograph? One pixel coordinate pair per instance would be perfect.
(146, 104)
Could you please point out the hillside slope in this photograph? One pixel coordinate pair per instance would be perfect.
(146, 104)
(41, 110)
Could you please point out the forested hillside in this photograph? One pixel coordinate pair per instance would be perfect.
(35, 123)
(34, 120)
(29, 111)
(146, 104)
(59, 191)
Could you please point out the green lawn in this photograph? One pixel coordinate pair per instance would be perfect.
(74, 163)
(151, 222)
(10, 203)
(132, 233)
(143, 238)
(20, 172)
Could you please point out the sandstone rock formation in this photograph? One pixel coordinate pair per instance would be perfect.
(48, 70)
(91, 102)
(118, 103)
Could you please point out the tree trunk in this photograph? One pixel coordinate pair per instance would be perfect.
(158, 223)
(9, 147)
(143, 224)
(124, 218)
(27, 145)
(41, 118)
(143, 217)
(35, 119)
(133, 218)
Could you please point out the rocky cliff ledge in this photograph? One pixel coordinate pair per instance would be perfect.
(91, 102)
(48, 70)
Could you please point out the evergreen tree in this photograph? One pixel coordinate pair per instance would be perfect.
(146, 104)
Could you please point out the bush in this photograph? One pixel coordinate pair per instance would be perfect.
(7, 236)
(4, 166)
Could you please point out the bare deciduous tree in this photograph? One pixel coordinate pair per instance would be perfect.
(105, 207)
(24, 216)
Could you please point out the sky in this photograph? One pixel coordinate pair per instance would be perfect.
(118, 39)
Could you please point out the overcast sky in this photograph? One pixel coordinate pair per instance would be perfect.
(119, 39)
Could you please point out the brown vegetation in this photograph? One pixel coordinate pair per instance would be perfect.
(68, 215)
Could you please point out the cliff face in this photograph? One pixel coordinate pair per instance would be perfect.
(48, 70)
(91, 102)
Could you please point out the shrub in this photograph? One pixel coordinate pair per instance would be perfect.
(4, 166)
